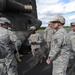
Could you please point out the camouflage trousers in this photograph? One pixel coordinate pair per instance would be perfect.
(38, 54)
(60, 65)
(8, 66)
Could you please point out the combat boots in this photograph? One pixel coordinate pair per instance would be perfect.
(35, 63)
(19, 60)
(41, 61)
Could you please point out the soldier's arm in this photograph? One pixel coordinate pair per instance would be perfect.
(15, 40)
(55, 48)
(39, 39)
(29, 40)
(45, 34)
(72, 41)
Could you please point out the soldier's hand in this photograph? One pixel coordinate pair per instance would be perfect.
(48, 61)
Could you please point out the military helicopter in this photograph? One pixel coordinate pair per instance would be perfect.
(22, 14)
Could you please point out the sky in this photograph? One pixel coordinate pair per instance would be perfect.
(46, 9)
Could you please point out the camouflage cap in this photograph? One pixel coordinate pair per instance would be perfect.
(60, 19)
(72, 23)
(32, 28)
(4, 20)
(49, 22)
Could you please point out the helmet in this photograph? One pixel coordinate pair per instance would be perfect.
(32, 28)
(49, 22)
(4, 20)
(60, 19)
(72, 23)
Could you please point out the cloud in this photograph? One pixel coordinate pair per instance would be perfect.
(71, 19)
(70, 7)
(48, 8)
(47, 1)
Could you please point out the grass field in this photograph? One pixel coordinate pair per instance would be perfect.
(41, 30)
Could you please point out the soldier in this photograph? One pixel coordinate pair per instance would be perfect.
(35, 41)
(48, 32)
(71, 36)
(8, 64)
(16, 51)
(59, 53)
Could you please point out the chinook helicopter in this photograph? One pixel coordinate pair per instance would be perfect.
(22, 14)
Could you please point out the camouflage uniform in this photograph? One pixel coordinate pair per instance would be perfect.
(60, 50)
(8, 64)
(35, 38)
(71, 36)
(36, 48)
(48, 32)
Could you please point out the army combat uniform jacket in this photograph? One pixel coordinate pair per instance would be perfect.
(59, 53)
(36, 48)
(8, 64)
(48, 32)
(71, 36)
(35, 38)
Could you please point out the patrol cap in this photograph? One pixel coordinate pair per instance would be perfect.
(4, 20)
(32, 28)
(58, 18)
(72, 23)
